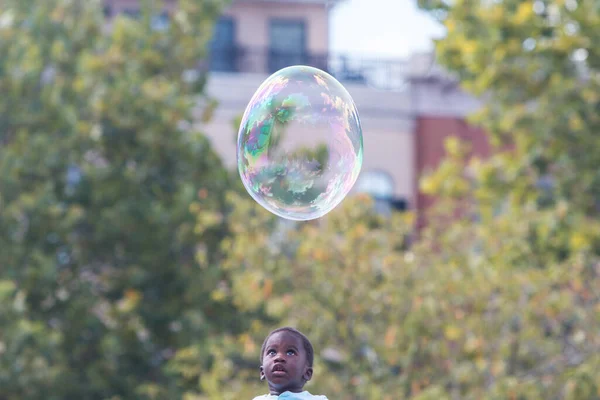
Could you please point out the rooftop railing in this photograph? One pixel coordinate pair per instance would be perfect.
(378, 73)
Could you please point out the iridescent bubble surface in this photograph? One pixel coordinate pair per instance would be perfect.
(300, 144)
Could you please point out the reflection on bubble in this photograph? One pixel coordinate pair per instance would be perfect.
(300, 143)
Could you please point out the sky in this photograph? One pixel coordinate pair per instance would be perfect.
(381, 28)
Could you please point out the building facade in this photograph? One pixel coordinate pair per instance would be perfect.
(407, 107)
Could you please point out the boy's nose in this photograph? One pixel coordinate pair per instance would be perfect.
(279, 358)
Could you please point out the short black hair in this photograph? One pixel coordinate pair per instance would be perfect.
(308, 347)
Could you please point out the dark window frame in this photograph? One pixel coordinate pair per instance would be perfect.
(279, 59)
(224, 54)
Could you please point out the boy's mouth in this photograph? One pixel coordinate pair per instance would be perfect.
(278, 370)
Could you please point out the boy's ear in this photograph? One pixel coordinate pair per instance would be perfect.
(308, 372)
(262, 373)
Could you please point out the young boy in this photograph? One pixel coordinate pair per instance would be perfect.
(286, 361)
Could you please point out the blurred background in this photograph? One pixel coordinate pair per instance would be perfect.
(464, 264)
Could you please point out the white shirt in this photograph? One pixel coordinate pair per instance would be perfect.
(291, 396)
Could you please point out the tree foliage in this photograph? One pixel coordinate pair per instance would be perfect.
(126, 273)
(467, 313)
(100, 282)
(499, 297)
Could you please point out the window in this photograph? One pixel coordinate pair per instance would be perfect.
(287, 44)
(223, 51)
(380, 186)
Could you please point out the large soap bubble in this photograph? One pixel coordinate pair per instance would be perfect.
(300, 143)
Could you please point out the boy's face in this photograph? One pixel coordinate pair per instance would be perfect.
(284, 363)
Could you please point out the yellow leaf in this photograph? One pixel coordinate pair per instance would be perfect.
(452, 332)
(578, 241)
(129, 301)
(468, 47)
(194, 208)
(79, 84)
(524, 13)
(429, 185)
(454, 147)
(361, 230)
(481, 363)
(500, 53)
(575, 122)
(218, 295)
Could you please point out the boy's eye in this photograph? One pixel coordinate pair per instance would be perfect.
(291, 352)
(270, 352)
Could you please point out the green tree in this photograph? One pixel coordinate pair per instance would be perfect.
(531, 211)
(100, 280)
(465, 312)
(537, 62)
(499, 297)
(336, 279)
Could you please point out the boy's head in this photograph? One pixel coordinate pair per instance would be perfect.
(286, 360)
